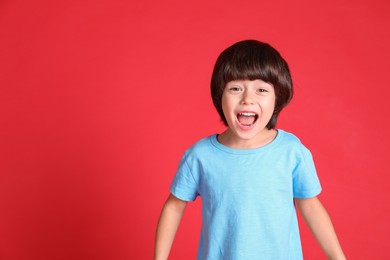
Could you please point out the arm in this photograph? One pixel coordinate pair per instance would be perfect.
(168, 223)
(321, 226)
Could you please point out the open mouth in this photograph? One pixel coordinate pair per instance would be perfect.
(247, 119)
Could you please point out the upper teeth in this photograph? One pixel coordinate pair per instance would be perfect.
(247, 114)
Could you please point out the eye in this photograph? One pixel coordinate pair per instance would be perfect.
(234, 89)
(261, 90)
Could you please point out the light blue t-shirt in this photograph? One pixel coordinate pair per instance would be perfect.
(247, 196)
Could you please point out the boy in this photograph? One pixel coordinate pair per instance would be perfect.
(250, 175)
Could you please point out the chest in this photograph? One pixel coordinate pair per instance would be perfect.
(243, 178)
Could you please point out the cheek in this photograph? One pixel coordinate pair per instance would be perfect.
(225, 105)
(226, 110)
(269, 104)
(272, 105)
(268, 108)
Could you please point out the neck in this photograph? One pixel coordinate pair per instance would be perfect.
(230, 139)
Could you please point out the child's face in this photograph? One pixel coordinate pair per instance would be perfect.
(248, 106)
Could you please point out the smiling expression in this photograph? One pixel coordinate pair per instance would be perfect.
(248, 105)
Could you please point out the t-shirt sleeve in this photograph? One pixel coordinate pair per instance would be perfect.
(184, 186)
(305, 180)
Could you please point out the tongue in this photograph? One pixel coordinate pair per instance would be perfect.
(246, 120)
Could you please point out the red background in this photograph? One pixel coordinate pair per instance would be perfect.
(99, 99)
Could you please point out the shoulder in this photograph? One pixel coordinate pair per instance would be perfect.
(199, 153)
(291, 142)
(289, 138)
(201, 147)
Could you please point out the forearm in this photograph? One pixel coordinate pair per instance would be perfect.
(320, 224)
(168, 224)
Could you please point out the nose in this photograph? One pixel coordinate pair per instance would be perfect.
(247, 98)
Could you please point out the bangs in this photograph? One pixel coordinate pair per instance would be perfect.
(252, 65)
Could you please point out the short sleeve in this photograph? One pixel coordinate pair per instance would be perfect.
(184, 186)
(305, 180)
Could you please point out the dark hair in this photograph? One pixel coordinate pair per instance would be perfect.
(251, 60)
